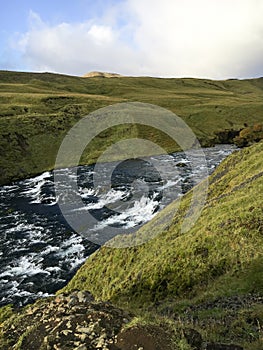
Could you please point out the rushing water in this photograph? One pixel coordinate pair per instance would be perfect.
(39, 251)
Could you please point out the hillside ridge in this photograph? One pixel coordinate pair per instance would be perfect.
(101, 75)
(38, 109)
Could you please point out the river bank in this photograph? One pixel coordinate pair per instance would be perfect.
(40, 252)
(200, 290)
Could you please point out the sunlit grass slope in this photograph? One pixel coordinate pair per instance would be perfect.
(215, 270)
(37, 109)
(225, 241)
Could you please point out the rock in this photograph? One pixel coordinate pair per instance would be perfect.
(61, 309)
(73, 300)
(59, 298)
(84, 330)
(30, 311)
(86, 325)
(85, 297)
(101, 75)
(45, 341)
(83, 336)
(100, 343)
(101, 340)
(68, 324)
(181, 165)
(66, 331)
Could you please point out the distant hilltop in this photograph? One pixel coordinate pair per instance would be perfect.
(102, 75)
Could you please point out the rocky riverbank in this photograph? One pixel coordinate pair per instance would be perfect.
(76, 321)
(72, 321)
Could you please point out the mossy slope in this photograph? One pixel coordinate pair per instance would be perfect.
(220, 258)
(226, 238)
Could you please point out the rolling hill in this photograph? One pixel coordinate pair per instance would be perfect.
(37, 110)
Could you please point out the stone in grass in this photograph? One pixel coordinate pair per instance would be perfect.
(85, 297)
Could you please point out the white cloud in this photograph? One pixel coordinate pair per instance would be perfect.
(204, 38)
(101, 34)
(74, 48)
(214, 38)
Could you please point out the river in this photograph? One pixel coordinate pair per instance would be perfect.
(40, 252)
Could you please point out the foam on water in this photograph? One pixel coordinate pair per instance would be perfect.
(87, 192)
(40, 252)
(104, 199)
(169, 184)
(142, 211)
(25, 266)
(34, 189)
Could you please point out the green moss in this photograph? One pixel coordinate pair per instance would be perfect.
(5, 313)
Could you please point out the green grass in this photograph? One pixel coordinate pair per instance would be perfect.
(191, 280)
(221, 256)
(37, 110)
(5, 313)
(227, 236)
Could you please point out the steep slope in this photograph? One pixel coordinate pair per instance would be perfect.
(212, 274)
(226, 238)
(37, 110)
(202, 289)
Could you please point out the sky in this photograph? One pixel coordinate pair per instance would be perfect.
(216, 39)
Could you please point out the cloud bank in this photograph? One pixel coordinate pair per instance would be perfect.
(169, 38)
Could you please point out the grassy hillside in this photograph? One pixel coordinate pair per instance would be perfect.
(181, 291)
(37, 109)
(211, 277)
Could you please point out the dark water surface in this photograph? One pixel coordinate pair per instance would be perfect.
(39, 251)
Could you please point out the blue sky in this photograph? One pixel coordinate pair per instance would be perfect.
(170, 38)
(14, 13)
(15, 19)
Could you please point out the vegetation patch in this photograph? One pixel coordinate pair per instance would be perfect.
(218, 261)
(42, 107)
